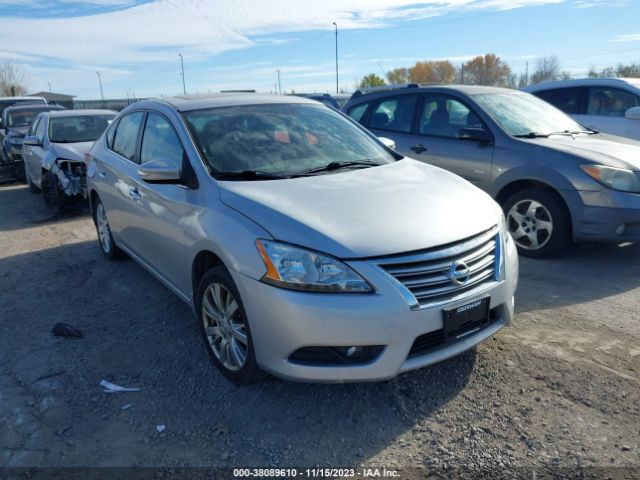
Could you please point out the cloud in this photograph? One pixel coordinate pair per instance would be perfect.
(200, 29)
(627, 37)
(598, 3)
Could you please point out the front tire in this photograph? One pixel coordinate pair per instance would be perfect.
(53, 196)
(32, 187)
(225, 327)
(538, 222)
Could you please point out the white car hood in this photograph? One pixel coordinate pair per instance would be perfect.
(72, 151)
(396, 208)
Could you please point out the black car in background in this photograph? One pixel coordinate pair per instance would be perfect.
(16, 121)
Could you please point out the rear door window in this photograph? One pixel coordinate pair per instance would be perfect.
(394, 114)
(566, 99)
(126, 137)
(610, 102)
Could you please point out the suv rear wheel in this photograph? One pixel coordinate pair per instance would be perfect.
(538, 223)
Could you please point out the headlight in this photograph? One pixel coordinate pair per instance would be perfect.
(300, 269)
(615, 178)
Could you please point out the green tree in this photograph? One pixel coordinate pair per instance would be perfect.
(371, 80)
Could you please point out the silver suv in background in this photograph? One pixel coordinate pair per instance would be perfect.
(609, 105)
(305, 246)
(556, 180)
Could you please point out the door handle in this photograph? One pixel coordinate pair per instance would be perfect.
(102, 175)
(134, 194)
(419, 148)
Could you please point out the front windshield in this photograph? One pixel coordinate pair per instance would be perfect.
(280, 139)
(521, 114)
(22, 119)
(78, 128)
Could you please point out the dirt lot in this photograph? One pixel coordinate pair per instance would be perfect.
(559, 388)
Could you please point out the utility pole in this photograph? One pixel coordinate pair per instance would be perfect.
(184, 88)
(526, 75)
(49, 86)
(100, 82)
(279, 84)
(462, 73)
(336, 27)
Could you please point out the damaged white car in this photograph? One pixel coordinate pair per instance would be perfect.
(54, 151)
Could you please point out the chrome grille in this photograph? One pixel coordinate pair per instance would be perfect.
(428, 275)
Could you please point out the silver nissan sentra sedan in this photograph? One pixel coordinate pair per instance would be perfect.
(307, 248)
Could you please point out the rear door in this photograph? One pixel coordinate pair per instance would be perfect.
(440, 120)
(394, 117)
(114, 170)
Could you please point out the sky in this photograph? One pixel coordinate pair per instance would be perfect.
(241, 44)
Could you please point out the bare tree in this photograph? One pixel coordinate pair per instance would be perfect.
(628, 71)
(547, 69)
(486, 70)
(13, 79)
(398, 76)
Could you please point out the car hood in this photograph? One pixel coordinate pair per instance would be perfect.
(72, 151)
(606, 149)
(395, 208)
(19, 132)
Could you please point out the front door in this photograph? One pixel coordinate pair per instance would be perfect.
(439, 141)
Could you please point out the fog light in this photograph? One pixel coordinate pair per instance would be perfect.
(353, 351)
(620, 229)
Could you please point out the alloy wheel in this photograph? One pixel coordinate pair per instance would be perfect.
(225, 327)
(104, 234)
(530, 224)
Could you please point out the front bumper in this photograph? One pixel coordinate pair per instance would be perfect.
(607, 215)
(283, 321)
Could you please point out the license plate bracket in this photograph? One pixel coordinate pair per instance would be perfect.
(466, 319)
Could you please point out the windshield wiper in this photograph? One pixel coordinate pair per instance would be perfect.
(532, 135)
(336, 166)
(248, 175)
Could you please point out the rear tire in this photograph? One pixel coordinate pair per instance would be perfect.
(538, 222)
(107, 246)
(225, 327)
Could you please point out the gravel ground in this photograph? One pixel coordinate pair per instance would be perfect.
(558, 391)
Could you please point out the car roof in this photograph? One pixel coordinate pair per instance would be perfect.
(585, 82)
(76, 113)
(199, 102)
(21, 99)
(30, 107)
(464, 89)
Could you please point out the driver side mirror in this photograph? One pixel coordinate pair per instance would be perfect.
(32, 140)
(476, 135)
(633, 113)
(159, 171)
(388, 142)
